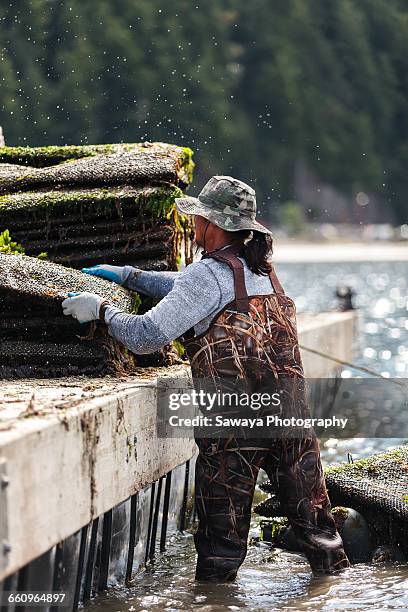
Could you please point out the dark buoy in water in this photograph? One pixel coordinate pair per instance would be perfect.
(351, 525)
(387, 553)
(355, 534)
(345, 296)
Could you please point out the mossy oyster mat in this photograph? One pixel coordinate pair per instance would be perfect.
(84, 205)
(377, 487)
(37, 340)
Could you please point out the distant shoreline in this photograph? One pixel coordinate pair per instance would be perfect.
(297, 252)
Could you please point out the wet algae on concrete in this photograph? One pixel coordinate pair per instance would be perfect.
(94, 204)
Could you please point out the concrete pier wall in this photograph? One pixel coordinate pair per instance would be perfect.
(110, 549)
(72, 450)
(330, 333)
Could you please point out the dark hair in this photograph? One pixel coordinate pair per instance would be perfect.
(257, 251)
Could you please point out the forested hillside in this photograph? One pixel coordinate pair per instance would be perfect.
(253, 86)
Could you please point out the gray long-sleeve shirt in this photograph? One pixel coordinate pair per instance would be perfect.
(191, 298)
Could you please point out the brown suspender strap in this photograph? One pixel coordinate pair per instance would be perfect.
(229, 256)
(237, 267)
(277, 287)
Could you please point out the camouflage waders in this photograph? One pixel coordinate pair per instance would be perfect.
(255, 338)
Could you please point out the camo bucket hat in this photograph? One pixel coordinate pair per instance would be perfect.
(226, 202)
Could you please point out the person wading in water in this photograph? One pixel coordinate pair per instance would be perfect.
(237, 324)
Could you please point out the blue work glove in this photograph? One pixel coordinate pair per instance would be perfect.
(116, 274)
(84, 306)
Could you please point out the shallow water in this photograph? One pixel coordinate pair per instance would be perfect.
(268, 580)
(276, 580)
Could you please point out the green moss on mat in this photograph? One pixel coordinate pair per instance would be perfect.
(41, 157)
(370, 465)
(179, 348)
(277, 526)
(187, 164)
(159, 200)
(7, 245)
(136, 302)
(340, 512)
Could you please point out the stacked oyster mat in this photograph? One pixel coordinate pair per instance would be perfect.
(37, 340)
(87, 205)
(81, 206)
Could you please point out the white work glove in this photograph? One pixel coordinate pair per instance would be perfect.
(84, 306)
(116, 274)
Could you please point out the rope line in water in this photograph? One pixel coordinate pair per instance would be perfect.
(352, 365)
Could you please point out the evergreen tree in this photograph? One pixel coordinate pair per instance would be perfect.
(254, 87)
